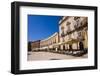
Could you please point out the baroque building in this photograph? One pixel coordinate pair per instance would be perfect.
(34, 45)
(73, 32)
(72, 36)
(49, 43)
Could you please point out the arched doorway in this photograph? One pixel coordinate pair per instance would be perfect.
(81, 45)
(70, 47)
(63, 47)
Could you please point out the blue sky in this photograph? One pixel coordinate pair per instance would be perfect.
(42, 26)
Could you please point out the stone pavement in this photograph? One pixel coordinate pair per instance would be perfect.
(51, 56)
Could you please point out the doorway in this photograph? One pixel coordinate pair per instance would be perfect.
(81, 45)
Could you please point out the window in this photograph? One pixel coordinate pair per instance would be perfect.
(76, 18)
(68, 23)
(69, 36)
(62, 28)
(62, 34)
(68, 29)
(79, 34)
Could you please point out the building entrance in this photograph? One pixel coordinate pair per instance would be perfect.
(81, 45)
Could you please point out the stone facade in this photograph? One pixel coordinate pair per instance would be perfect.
(72, 35)
(34, 45)
(50, 41)
(74, 30)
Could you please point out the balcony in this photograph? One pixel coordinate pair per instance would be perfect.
(84, 22)
(80, 24)
(80, 38)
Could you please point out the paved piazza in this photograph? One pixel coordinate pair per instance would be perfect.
(51, 56)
